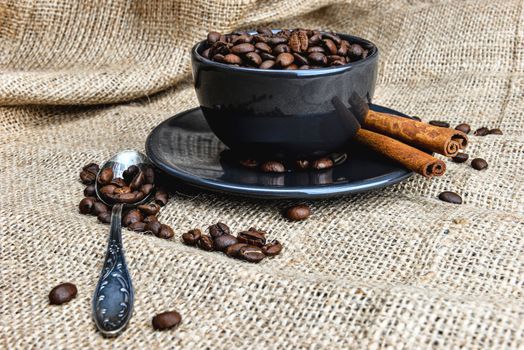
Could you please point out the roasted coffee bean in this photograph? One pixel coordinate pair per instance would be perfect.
(120, 190)
(322, 163)
(253, 58)
(206, 243)
(267, 56)
(192, 236)
(254, 238)
(149, 209)
(166, 320)
(317, 58)
(302, 164)
(460, 158)
(260, 39)
(344, 48)
(300, 60)
(276, 40)
(282, 48)
(263, 47)
(338, 63)
(315, 39)
(105, 177)
(330, 46)
(165, 232)
(355, 52)
(272, 166)
(219, 229)
(222, 242)
(89, 191)
(104, 217)
(284, 59)
(137, 181)
(242, 48)
(251, 254)
(150, 218)
(206, 52)
(313, 49)
(450, 197)
(86, 205)
(479, 164)
(481, 131)
(62, 293)
(249, 163)
(233, 250)
(137, 226)
(153, 227)
(134, 215)
(218, 57)
(243, 39)
(232, 59)
(334, 58)
(298, 41)
(98, 208)
(146, 189)
(213, 37)
(264, 31)
(161, 197)
(333, 37)
(267, 64)
(465, 128)
(127, 198)
(130, 173)
(87, 177)
(292, 66)
(272, 248)
(440, 123)
(149, 175)
(118, 182)
(108, 189)
(92, 168)
(298, 212)
(495, 132)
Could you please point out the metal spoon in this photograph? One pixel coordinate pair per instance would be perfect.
(113, 297)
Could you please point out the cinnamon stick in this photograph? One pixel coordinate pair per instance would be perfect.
(410, 157)
(445, 141)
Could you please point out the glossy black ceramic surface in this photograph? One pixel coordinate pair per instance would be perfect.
(185, 147)
(282, 113)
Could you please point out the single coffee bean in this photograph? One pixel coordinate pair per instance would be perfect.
(213, 37)
(263, 47)
(218, 58)
(267, 56)
(87, 177)
(495, 132)
(105, 177)
(92, 168)
(89, 191)
(334, 58)
(254, 58)
(206, 243)
(450, 197)
(298, 212)
(161, 197)
(242, 39)
(440, 123)
(149, 218)
(276, 40)
(314, 39)
(330, 46)
(62, 293)
(313, 49)
(298, 41)
(254, 238)
(149, 175)
(355, 52)
(272, 248)
(282, 48)
(149, 209)
(333, 37)
(127, 198)
(249, 163)
(302, 164)
(338, 63)
(465, 128)
(300, 60)
(322, 163)
(242, 48)
(98, 208)
(120, 190)
(260, 39)
(192, 236)
(219, 229)
(137, 181)
(317, 58)
(479, 164)
(86, 205)
(292, 66)
(118, 182)
(134, 215)
(104, 217)
(233, 250)
(344, 48)
(137, 226)
(222, 242)
(153, 227)
(108, 190)
(251, 254)
(166, 320)
(284, 59)
(481, 131)
(232, 59)
(460, 158)
(264, 31)
(267, 64)
(272, 166)
(130, 173)
(165, 232)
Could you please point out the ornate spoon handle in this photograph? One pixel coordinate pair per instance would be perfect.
(113, 297)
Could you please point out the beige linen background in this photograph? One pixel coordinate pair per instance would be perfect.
(395, 268)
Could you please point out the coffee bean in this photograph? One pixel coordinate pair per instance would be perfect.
(104, 217)
(263, 47)
(254, 238)
(219, 229)
(192, 236)
(481, 131)
(317, 58)
(120, 190)
(313, 49)
(218, 57)
(302, 164)
(206, 243)
(298, 41)
(108, 190)
(251, 254)
(440, 123)
(127, 198)
(355, 52)
(137, 226)
(264, 31)
(92, 168)
(292, 66)
(450, 197)
(146, 189)
(149, 209)
(267, 56)
(495, 132)
(267, 64)
(479, 164)
(165, 232)
(315, 39)
(243, 39)
(330, 46)
(282, 48)
(89, 191)
(134, 215)
(87, 177)
(137, 181)
(98, 208)
(276, 40)
(272, 248)
(254, 58)
(272, 167)
(153, 227)
(300, 60)
(149, 218)
(460, 158)
(242, 48)
(206, 52)
(130, 173)
(213, 37)
(322, 163)
(465, 128)
(166, 320)
(222, 242)
(344, 48)
(333, 37)
(233, 250)
(62, 293)
(86, 205)
(232, 59)
(161, 197)
(105, 177)
(118, 182)
(284, 59)
(298, 212)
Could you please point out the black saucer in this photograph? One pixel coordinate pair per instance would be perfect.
(184, 147)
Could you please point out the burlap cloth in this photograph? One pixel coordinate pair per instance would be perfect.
(394, 268)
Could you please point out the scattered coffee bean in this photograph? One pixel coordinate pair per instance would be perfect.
(460, 158)
(483, 131)
(150, 218)
(134, 215)
(137, 226)
(192, 236)
(165, 232)
(479, 164)
(62, 293)
(222, 242)
(206, 243)
(104, 217)
(450, 197)
(298, 212)
(87, 177)
(92, 168)
(161, 197)
(86, 205)
(153, 227)
(149, 209)
(254, 238)
(89, 191)
(166, 320)
(440, 123)
(322, 163)
(465, 128)
(272, 248)
(105, 177)
(251, 254)
(233, 250)
(495, 132)
(272, 166)
(98, 208)
(219, 229)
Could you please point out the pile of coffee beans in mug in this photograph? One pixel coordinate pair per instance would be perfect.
(250, 245)
(285, 49)
(134, 185)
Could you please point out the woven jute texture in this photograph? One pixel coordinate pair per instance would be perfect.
(394, 268)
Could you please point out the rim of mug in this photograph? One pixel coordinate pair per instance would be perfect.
(294, 72)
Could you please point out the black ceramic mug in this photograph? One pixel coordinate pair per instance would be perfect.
(282, 113)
